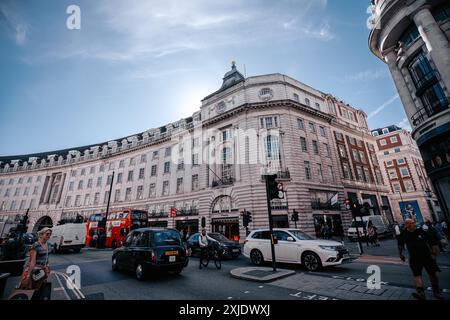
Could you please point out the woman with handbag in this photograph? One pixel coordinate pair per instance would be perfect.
(37, 270)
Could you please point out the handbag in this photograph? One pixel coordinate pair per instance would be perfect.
(38, 273)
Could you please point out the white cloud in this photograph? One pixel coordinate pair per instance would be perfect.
(405, 124)
(367, 75)
(382, 107)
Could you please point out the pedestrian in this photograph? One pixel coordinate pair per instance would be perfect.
(36, 270)
(203, 243)
(422, 251)
(445, 228)
(396, 230)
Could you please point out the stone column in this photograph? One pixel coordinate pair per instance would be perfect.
(400, 84)
(436, 42)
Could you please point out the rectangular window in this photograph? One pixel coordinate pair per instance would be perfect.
(141, 173)
(322, 131)
(404, 172)
(87, 199)
(394, 139)
(317, 106)
(20, 181)
(74, 173)
(315, 147)
(307, 170)
(360, 174)
(346, 171)
(319, 172)
(307, 102)
(195, 159)
(152, 190)
(127, 194)
(303, 144)
(383, 142)
(22, 205)
(96, 198)
(26, 191)
(7, 192)
(361, 157)
(111, 166)
(195, 182)
(68, 201)
(168, 152)
(13, 205)
(355, 155)
(296, 97)
(105, 198)
(108, 180)
(71, 185)
(401, 161)
(396, 187)
(80, 184)
(409, 186)
(130, 176)
(179, 185)
(89, 185)
(143, 158)
(83, 172)
(180, 165)
(119, 177)
(331, 174)
(36, 189)
(153, 173)
(397, 150)
(167, 167)
(16, 193)
(102, 168)
(92, 170)
(300, 124)
(342, 151)
(117, 196)
(122, 164)
(392, 174)
(312, 127)
(155, 155)
(326, 147)
(99, 181)
(140, 192)
(165, 190)
(78, 201)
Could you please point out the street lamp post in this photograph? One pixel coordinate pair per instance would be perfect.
(401, 199)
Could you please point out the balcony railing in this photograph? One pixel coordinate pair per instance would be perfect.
(427, 112)
(318, 205)
(187, 212)
(160, 214)
(223, 182)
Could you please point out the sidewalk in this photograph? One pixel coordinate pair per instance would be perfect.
(342, 289)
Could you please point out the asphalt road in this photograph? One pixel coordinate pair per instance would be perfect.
(99, 281)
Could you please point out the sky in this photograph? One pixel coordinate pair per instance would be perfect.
(140, 64)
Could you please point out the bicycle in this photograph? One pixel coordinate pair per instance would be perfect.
(212, 253)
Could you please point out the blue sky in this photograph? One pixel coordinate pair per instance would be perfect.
(139, 64)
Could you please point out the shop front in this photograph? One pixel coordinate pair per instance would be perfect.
(280, 221)
(327, 225)
(229, 227)
(158, 224)
(189, 226)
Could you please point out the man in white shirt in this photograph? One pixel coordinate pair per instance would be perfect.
(203, 243)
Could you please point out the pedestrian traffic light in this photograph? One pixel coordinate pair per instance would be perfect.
(203, 222)
(294, 216)
(275, 190)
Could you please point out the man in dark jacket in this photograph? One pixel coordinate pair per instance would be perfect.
(422, 249)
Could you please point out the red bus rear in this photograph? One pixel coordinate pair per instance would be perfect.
(119, 224)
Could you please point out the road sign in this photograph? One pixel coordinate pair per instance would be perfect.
(173, 212)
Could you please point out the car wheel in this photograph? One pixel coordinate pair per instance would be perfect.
(140, 273)
(311, 261)
(256, 257)
(77, 250)
(114, 265)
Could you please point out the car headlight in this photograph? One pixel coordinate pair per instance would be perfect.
(330, 248)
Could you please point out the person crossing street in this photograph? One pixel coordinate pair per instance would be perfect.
(422, 249)
(203, 243)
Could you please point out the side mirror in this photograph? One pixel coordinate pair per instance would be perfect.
(290, 239)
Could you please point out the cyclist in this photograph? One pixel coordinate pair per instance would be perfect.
(203, 242)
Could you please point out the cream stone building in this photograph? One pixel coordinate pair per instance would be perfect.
(209, 166)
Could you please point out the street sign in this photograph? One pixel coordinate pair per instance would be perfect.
(173, 212)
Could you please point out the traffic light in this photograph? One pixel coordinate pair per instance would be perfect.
(294, 216)
(244, 219)
(348, 204)
(249, 217)
(275, 189)
(203, 222)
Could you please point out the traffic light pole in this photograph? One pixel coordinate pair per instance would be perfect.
(269, 210)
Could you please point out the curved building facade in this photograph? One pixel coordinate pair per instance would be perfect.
(209, 166)
(412, 38)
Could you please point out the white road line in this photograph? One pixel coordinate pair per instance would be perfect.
(61, 286)
(76, 290)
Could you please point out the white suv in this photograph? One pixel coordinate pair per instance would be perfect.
(294, 246)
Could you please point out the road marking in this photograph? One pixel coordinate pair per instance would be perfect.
(260, 287)
(61, 286)
(246, 291)
(229, 298)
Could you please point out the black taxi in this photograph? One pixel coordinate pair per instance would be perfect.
(151, 249)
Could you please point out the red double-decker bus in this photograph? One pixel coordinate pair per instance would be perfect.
(115, 229)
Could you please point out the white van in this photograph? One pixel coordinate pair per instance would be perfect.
(378, 221)
(69, 236)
